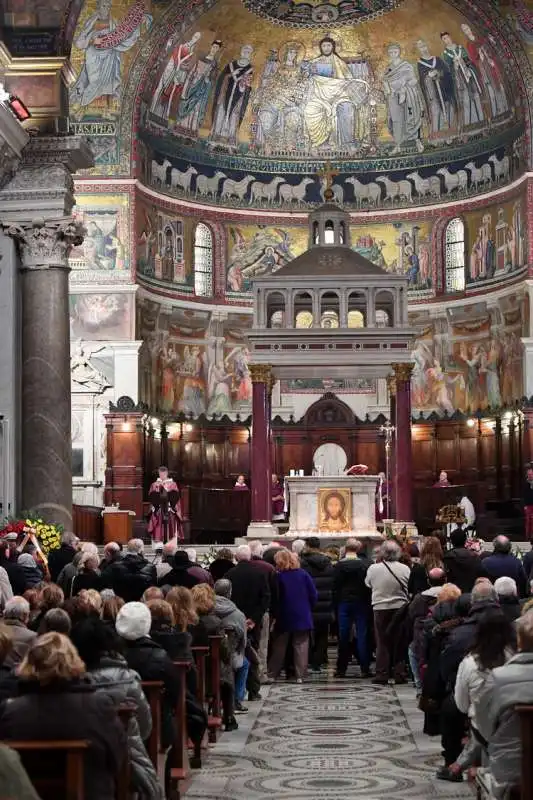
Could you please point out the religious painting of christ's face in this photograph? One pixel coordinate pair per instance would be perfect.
(334, 510)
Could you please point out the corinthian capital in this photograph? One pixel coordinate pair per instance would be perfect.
(402, 372)
(261, 373)
(45, 244)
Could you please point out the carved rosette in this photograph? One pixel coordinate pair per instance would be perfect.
(46, 244)
(261, 373)
(402, 372)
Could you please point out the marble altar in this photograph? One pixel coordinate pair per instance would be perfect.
(352, 495)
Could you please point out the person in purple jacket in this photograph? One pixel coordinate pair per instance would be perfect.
(297, 596)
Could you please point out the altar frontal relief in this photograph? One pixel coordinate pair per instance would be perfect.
(334, 510)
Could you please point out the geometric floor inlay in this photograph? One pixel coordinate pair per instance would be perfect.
(327, 740)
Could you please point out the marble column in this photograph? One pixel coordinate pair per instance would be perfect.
(403, 455)
(46, 431)
(261, 523)
(391, 386)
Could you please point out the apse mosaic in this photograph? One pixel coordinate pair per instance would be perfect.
(161, 237)
(421, 118)
(401, 247)
(496, 241)
(107, 36)
(317, 14)
(254, 93)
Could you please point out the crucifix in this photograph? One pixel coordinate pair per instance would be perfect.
(388, 431)
(327, 173)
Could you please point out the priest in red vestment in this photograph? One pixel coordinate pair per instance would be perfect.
(165, 518)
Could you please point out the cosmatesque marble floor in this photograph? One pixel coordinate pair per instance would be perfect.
(327, 740)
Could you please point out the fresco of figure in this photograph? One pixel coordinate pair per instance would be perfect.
(336, 107)
(278, 101)
(104, 40)
(491, 77)
(437, 87)
(466, 81)
(170, 86)
(196, 91)
(232, 95)
(404, 101)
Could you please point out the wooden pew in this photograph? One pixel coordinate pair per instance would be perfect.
(35, 756)
(154, 691)
(200, 655)
(214, 722)
(179, 772)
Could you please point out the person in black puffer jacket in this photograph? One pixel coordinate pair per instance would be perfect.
(99, 646)
(153, 663)
(320, 569)
(132, 575)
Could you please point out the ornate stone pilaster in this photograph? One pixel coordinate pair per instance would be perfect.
(403, 454)
(261, 524)
(46, 409)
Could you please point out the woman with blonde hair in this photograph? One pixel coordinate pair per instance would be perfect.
(51, 706)
(210, 624)
(181, 600)
(297, 596)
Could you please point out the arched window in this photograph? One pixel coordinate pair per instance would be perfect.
(454, 256)
(329, 233)
(203, 261)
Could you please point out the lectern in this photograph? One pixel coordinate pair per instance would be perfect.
(118, 525)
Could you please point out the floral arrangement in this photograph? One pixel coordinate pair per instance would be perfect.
(474, 544)
(47, 534)
(451, 514)
(206, 559)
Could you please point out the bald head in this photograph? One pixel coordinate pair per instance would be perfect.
(501, 544)
(436, 577)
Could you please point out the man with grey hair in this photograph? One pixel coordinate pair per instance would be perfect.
(298, 546)
(16, 618)
(513, 686)
(112, 554)
(62, 555)
(502, 563)
(234, 625)
(388, 580)
(167, 555)
(507, 592)
(133, 574)
(69, 571)
(251, 594)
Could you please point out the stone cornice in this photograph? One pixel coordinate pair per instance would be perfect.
(43, 184)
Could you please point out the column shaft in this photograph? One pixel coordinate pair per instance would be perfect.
(46, 435)
(404, 456)
(261, 470)
(391, 385)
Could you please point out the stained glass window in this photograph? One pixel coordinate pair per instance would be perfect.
(454, 254)
(203, 261)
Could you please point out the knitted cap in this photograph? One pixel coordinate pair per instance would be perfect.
(133, 621)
